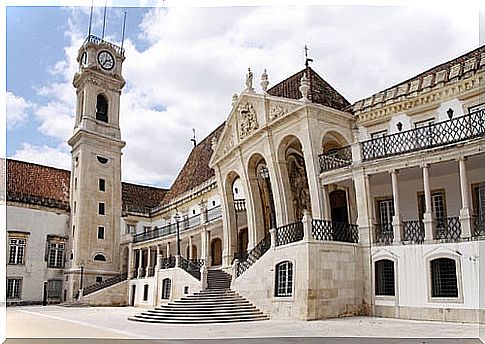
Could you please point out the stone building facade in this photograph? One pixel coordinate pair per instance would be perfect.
(316, 207)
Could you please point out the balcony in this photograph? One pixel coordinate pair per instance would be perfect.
(413, 231)
(478, 225)
(186, 224)
(97, 40)
(455, 130)
(384, 233)
(335, 159)
(327, 230)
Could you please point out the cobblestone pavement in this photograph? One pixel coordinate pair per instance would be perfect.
(37, 322)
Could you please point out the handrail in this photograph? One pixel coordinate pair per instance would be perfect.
(289, 233)
(328, 230)
(97, 40)
(257, 252)
(189, 267)
(434, 135)
(104, 284)
(338, 158)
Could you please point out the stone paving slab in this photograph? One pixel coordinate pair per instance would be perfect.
(112, 323)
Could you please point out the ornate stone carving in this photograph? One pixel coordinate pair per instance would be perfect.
(277, 111)
(247, 119)
(228, 143)
(214, 143)
(299, 184)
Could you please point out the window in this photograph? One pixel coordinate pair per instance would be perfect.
(75, 183)
(100, 257)
(130, 228)
(14, 286)
(386, 211)
(384, 277)
(145, 292)
(443, 278)
(75, 206)
(100, 232)
(16, 251)
(284, 279)
(101, 159)
(166, 288)
(438, 203)
(73, 229)
(146, 229)
(478, 192)
(101, 108)
(378, 134)
(101, 210)
(99, 279)
(54, 289)
(56, 255)
(102, 184)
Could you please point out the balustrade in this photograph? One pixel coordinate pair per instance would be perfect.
(327, 230)
(337, 158)
(289, 233)
(413, 231)
(448, 228)
(384, 233)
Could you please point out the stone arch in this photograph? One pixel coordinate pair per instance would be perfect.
(332, 140)
(294, 177)
(102, 107)
(261, 193)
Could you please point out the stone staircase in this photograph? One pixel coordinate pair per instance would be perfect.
(216, 304)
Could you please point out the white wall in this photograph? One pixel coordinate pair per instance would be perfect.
(39, 223)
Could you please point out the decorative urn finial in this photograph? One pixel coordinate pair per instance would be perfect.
(264, 81)
(304, 87)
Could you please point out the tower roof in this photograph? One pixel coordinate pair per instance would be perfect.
(320, 91)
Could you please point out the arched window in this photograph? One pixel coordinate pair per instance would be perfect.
(384, 275)
(100, 257)
(443, 278)
(284, 279)
(166, 288)
(101, 108)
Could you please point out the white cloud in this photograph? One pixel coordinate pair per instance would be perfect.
(57, 157)
(17, 110)
(197, 58)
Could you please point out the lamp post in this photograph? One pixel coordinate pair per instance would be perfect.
(44, 294)
(264, 173)
(82, 275)
(177, 218)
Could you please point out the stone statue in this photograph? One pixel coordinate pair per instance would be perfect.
(249, 81)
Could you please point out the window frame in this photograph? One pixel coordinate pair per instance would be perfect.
(50, 289)
(19, 288)
(382, 281)
(59, 252)
(102, 230)
(146, 292)
(102, 206)
(285, 292)
(16, 258)
(459, 279)
(101, 184)
(166, 292)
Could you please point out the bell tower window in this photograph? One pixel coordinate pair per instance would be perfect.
(101, 108)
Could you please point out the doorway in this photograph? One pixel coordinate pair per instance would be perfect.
(133, 294)
(338, 205)
(216, 252)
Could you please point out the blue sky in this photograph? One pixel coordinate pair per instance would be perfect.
(183, 64)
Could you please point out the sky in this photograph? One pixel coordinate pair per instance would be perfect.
(183, 64)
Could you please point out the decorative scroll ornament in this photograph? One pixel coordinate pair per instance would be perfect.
(277, 111)
(247, 119)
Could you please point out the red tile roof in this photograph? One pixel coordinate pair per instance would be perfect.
(320, 91)
(49, 187)
(196, 169)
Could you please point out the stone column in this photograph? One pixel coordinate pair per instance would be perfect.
(327, 210)
(168, 249)
(149, 261)
(428, 216)
(204, 245)
(396, 220)
(140, 260)
(272, 233)
(159, 256)
(190, 248)
(307, 226)
(131, 261)
(465, 216)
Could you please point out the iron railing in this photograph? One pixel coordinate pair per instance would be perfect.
(189, 267)
(167, 263)
(97, 40)
(478, 225)
(338, 158)
(214, 213)
(198, 262)
(289, 233)
(328, 230)
(448, 228)
(253, 255)
(239, 205)
(434, 135)
(413, 231)
(384, 233)
(104, 284)
(185, 224)
(151, 272)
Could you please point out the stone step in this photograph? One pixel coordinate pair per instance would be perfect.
(194, 320)
(204, 313)
(204, 309)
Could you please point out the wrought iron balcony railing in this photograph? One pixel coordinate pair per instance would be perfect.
(384, 233)
(167, 262)
(478, 225)
(253, 255)
(448, 228)
(413, 231)
(187, 223)
(327, 230)
(189, 267)
(97, 40)
(104, 284)
(338, 158)
(434, 135)
(289, 233)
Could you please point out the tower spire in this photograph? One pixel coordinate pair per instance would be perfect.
(307, 60)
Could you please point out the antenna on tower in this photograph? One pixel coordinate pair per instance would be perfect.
(307, 60)
(104, 19)
(90, 19)
(123, 31)
(193, 138)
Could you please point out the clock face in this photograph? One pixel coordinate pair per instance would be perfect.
(106, 60)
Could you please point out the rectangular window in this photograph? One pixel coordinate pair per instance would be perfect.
(101, 210)
(14, 286)
(438, 203)
(378, 134)
(384, 278)
(130, 228)
(56, 255)
(74, 207)
(146, 229)
(16, 251)
(102, 184)
(75, 183)
(145, 292)
(386, 211)
(54, 289)
(100, 232)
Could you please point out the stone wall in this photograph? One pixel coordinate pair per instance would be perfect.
(114, 295)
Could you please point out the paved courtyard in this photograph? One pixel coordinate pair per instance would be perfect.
(38, 322)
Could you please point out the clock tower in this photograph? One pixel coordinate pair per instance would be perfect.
(96, 143)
